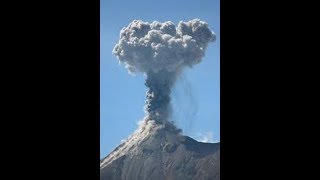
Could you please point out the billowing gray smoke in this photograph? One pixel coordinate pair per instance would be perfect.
(161, 51)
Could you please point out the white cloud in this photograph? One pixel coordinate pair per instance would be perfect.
(206, 137)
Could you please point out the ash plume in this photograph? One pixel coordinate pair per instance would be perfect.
(161, 51)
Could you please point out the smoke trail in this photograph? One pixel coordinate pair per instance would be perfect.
(161, 51)
(185, 103)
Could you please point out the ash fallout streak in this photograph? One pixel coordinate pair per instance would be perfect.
(161, 51)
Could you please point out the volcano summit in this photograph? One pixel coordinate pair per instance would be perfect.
(160, 152)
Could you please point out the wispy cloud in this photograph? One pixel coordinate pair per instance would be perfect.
(206, 137)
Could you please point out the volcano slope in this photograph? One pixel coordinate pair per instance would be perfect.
(160, 152)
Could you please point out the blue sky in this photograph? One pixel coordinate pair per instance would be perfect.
(196, 97)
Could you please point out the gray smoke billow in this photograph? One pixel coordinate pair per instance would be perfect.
(161, 51)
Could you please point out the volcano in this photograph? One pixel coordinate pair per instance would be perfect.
(161, 152)
(158, 150)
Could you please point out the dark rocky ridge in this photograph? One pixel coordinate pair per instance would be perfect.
(162, 154)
